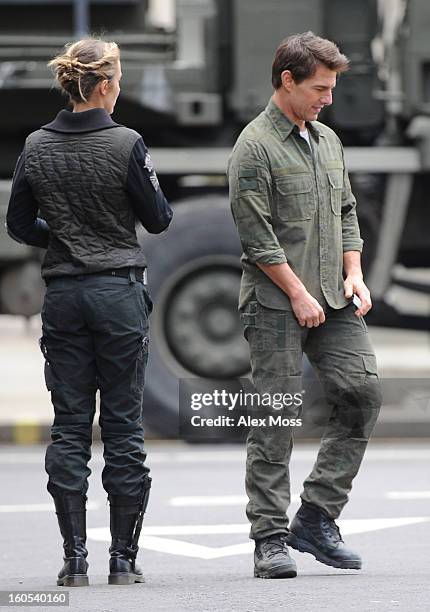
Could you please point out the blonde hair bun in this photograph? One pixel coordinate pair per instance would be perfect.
(82, 65)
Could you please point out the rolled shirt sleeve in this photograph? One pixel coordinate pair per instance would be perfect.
(351, 238)
(250, 194)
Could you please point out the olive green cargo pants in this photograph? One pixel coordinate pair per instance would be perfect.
(342, 355)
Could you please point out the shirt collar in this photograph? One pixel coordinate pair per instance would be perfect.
(85, 121)
(283, 125)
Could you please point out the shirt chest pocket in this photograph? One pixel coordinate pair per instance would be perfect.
(335, 180)
(294, 198)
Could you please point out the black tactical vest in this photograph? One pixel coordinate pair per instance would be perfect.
(79, 180)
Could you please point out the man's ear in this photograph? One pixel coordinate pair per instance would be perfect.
(287, 79)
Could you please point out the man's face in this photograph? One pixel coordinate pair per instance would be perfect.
(308, 98)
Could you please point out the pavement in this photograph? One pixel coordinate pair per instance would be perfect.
(194, 547)
(26, 412)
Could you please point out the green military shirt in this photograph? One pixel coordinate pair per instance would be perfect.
(292, 203)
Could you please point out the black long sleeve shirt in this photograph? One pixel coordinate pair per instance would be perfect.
(145, 194)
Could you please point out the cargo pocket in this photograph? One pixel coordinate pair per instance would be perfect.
(49, 377)
(141, 362)
(249, 314)
(370, 366)
(248, 318)
(273, 328)
(265, 329)
(335, 179)
(294, 197)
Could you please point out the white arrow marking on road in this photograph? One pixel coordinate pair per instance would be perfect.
(151, 541)
(181, 548)
(408, 495)
(215, 500)
(187, 549)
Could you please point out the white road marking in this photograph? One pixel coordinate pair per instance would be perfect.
(14, 508)
(353, 526)
(198, 500)
(408, 495)
(215, 500)
(188, 549)
(170, 530)
(151, 540)
(181, 548)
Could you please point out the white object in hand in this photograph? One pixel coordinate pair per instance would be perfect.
(356, 301)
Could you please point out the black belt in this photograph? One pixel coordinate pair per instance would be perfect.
(139, 274)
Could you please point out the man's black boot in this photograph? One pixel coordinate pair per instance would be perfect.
(314, 532)
(272, 559)
(71, 514)
(126, 518)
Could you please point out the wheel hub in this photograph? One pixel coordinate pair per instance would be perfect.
(203, 328)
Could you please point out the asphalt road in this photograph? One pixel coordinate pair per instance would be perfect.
(195, 549)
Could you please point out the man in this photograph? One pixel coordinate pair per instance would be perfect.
(295, 213)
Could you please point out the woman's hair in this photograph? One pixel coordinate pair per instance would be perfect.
(82, 65)
(301, 54)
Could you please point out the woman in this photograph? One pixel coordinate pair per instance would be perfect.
(91, 179)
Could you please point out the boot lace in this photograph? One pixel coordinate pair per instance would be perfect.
(276, 545)
(330, 529)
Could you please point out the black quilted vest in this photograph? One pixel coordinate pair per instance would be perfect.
(79, 180)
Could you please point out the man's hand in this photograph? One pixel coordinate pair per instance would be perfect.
(355, 284)
(307, 310)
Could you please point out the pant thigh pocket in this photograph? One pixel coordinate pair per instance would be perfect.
(370, 365)
(141, 362)
(265, 329)
(274, 330)
(248, 318)
(49, 376)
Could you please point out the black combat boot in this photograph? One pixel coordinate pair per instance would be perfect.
(126, 518)
(71, 514)
(314, 532)
(272, 559)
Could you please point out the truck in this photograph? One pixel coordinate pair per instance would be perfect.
(195, 72)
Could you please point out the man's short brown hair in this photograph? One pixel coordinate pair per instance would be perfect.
(301, 54)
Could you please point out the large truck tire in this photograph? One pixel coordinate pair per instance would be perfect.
(21, 289)
(193, 277)
(369, 230)
(369, 192)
